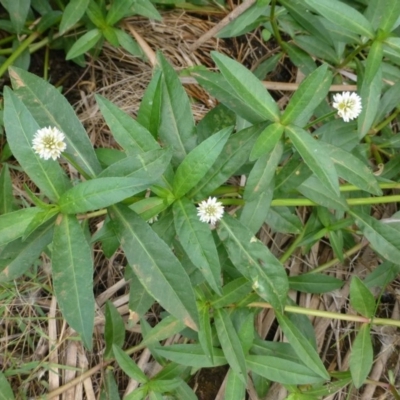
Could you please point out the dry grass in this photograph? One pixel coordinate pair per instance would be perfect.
(34, 337)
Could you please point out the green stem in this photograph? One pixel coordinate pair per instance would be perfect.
(385, 122)
(92, 214)
(352, 55)
(331, 315)
(292, 247)
(22, 47)
(320, 119)
(274, 25)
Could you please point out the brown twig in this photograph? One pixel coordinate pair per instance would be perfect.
(229, 18)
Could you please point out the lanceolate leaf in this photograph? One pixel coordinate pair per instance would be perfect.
(247, 87)
(6, 392)
(230, 343)
(114, 329)
(198, 162)
(307, 97)
(7, 202)
(383, 238)
(84, 43)
(314, 283)
(267, 141)
(21, 127)
(72, 14)
(282, 371)
(361, 299)
(197, 241)
(343, 15)
(235, 389)
(156, 266)
(361, 357)
(128, 365)
(302, 346)
(73, 276)
(129, 134)
(14, 224)
(50, 108)
(19, 256)
(254, 261)
(99, 193)
(315, 156)
(233, 156)
(176, 125)
(353, 170)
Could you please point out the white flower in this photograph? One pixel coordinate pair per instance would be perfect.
(49, 142)
(153, 219)
(348, 105)
(210, 210)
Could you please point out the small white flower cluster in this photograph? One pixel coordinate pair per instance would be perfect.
(348, 105)
(49, 143)
(210, 210)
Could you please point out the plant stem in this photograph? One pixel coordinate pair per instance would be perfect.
(274, 25)
(320, 119)
(18, 51)
(331, 315)
(292, 247)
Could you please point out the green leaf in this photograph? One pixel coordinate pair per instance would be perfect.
(50, 108)
(232, 292)
(99, 193)
(262, 173)
(219, 88)
(146, 166)
(282, 371)
(118, 10)
(110, 389)
(317, 48)
(267, 140)
(374, 61)
(72, 266)
(7, 201)
(72, 13)
(168, 327)
(383, 14)
(383, 238)
(315, 156)
(129, 134)
(18, 256)
(230, 343)
(21, 127)
(139, 300)
(84, 43)
(128, 365)
(128, 43)
(353, 170)
(361, 299)
(247, 87)
(370, 94)
(198, 162)
(300, 58)
(312, 189)
(149, 113)
(232, 157)
(176, 124)
(235, 389)
(147, 9)
(114, 329)
(361, 357)
(197, 241)
(307, 97)
(382, 275)
(155, 265)
(6, 392)
(314, 283)
(205, 332)
(254, 261)
(344, 16)
(282, 220)
(192, 355)
(14, 224)
(302, 347)
(255, 211)
(18, 11)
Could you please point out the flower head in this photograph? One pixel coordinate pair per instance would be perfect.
(210, 210)
(49, 142)
(348, 105)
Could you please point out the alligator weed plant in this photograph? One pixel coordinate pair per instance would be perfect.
(189, 231)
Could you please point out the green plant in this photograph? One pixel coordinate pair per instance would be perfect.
(213, 282)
